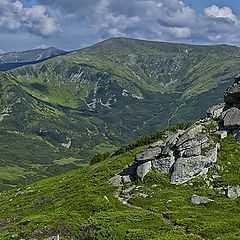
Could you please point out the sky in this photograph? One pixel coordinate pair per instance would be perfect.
(74, 24)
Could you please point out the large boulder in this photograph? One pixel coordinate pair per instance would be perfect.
(231, 119)
(186, 169)
(143, 170)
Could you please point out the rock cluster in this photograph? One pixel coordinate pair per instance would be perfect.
(190, 152)
(185, 154)
(229, 115)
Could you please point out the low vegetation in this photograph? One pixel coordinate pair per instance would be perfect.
(82, 205)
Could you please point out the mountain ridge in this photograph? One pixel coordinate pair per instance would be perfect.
(102, 99)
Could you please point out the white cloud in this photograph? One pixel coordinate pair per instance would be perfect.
(36, 19)
(217, 12)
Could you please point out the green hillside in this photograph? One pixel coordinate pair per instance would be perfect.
(82, 205)
(57, 114)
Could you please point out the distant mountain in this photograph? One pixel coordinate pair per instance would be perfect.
(16, 59)
(55, 115)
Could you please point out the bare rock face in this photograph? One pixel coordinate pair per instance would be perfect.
(197, 200)
(186, 169)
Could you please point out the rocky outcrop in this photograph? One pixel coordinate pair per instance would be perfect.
(185, 154)
(197, 200)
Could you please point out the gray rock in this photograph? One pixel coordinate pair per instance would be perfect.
(216, 111)
(164, 165)
(170, 143)
(186, 169)
(193, 142)
(197, 200)
(149, 154)
(195, 151)
(189, 134)
(143, 170)
(233, 192)
(126, 179)
(222, 134)
(231, 119)
(115, 181)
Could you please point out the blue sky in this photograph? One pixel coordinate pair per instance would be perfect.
(73, 24)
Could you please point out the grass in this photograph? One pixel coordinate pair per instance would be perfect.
(73, 202)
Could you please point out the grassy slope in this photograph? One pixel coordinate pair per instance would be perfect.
(73, 203)
(49, 100)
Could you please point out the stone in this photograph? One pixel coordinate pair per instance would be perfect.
(231, 119)
(215, 111)
(222, 134)
(193, 142)
(126, 179)
(197, 200)
(143, 170)
(164, 165)
(195, 151)
(149, 154)
(170, 143)
(233, 192)
(189, 134)
(186, 169)
(115, 181)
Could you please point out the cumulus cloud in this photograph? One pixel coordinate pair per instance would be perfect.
(94, 20)
(36, 19)
(217, 12)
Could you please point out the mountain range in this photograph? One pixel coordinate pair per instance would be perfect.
(57, 113)
(17, 59)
